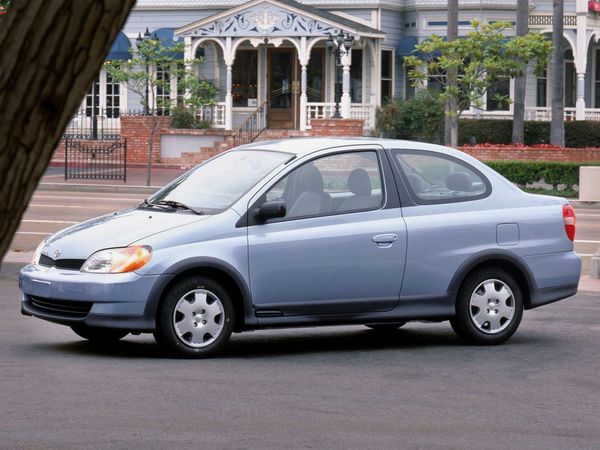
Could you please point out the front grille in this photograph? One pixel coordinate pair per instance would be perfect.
(65, 264)
(62, 307)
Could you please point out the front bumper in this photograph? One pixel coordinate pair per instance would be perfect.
(71, 297)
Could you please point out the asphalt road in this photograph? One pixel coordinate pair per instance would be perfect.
(334, 387)
(50, 211)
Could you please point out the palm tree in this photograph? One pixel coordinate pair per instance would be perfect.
(518, 132)
(451, 120)
(557, 126)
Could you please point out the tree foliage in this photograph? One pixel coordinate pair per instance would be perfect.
(140, 74)
(484, 56)
(152, 70)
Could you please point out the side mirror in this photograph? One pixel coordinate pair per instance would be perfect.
(271, 210)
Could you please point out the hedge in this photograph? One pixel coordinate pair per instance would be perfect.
(578, 134)
(523, 173)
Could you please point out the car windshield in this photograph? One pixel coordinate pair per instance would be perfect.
(216, 185)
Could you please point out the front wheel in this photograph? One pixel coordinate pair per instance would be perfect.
(195, 319)
(489, 307)
(99, 335)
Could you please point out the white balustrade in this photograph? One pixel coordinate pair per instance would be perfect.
(325, 110)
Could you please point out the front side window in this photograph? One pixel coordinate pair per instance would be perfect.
(217, 184)
(433, 178)
(340, 183)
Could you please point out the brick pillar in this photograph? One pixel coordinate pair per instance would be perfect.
(336, 127)
(136, 129)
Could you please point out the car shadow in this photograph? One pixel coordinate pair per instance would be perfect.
(259, 345)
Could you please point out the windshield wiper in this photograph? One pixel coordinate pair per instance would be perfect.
(174, 204)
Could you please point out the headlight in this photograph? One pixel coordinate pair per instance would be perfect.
(118, 260)
(38, 253)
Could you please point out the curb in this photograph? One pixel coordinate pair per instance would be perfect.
(110, 188)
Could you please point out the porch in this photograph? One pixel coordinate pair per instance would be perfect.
(281, 56)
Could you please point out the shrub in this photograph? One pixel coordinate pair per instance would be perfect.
(183, 117)
(420, 118)
(556, 174)
(578, 134)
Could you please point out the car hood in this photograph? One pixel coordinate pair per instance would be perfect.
(113, 230)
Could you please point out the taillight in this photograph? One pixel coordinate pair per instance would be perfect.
(569, 220)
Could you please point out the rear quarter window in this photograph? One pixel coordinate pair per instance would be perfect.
(432, 177)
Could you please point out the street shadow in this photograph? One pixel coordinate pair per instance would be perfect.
(268, 345)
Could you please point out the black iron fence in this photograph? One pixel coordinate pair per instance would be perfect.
(94, 124)
(95, 160)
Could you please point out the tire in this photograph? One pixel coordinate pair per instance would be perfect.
(489, 307)
(385, 327)
(195, 318)
(99, 335)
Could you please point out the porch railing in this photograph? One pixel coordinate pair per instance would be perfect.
(104, 124)
(100, 124)
(325, 110)
(251, 128)
(214, 114)
(543, 114)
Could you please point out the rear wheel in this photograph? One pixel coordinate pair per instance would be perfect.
(385, 327)
(489, 307)
(195, 319)
(99, 335)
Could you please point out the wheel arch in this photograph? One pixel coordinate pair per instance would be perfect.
(501, 259)
(227, 275)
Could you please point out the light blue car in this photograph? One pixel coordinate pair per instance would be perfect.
(307, 232)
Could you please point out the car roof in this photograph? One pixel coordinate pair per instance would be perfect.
(305, 146)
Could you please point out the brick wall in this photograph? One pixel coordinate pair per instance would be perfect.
(136, 129)
(534, 154)
(336, 127)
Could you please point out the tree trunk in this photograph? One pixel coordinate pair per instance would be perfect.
(518, 132)
(557, 126)
(451, 120)
(51, 52)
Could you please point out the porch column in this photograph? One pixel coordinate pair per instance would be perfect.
(346, 101)
(581, 57)
(229, 56)
(303, 99)
(187, 58)
(303, 57)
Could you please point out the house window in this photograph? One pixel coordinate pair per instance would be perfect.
(597, 81)
(245, 77)
(92, 99)
(314, 75)
(387, 75)
(502, 88)
(163, 90)
(113, 97)
(356, 70)
(570, 80)
(541, 91)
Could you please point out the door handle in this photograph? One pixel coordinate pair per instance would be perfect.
(385, 240)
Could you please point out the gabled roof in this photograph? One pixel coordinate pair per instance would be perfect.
(302, 20)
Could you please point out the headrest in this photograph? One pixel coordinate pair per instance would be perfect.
(310, 179)
(359, 182)
(459, 181)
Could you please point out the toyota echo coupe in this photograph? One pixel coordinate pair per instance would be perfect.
(307, 232)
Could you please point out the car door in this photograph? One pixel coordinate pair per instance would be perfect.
(341, 246)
